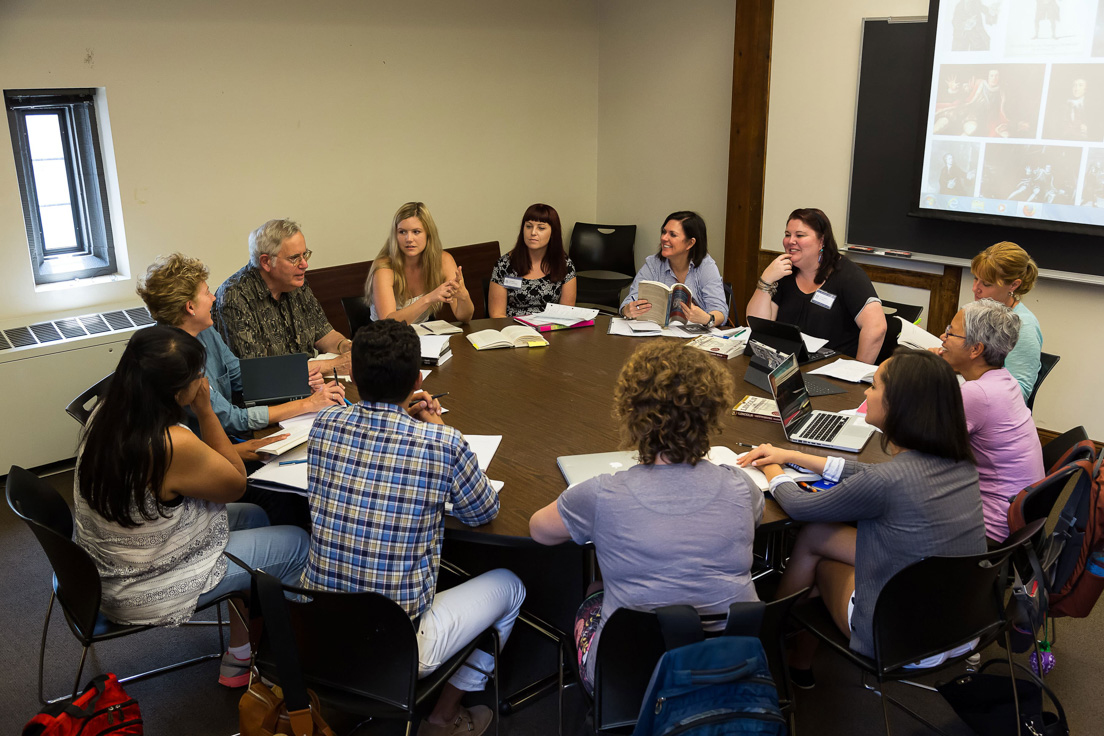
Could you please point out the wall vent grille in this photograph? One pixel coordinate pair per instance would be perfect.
(74, 328)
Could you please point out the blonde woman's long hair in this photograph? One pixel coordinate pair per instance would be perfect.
(392, 256)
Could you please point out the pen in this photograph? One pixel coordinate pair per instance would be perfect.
(744, 444)
(292, 462)
(434, 396)
(347, 402)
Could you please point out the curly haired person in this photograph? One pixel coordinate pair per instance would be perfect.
(676, 528)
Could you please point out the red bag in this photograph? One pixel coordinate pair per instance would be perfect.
(103, 708)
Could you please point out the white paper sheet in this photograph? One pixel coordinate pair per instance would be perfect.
(847, 370)
(813, 344)
(484, 446)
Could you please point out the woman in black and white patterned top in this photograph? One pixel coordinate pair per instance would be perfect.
(536, 272)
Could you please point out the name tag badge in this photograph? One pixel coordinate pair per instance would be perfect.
(823, 299)
(511, 282)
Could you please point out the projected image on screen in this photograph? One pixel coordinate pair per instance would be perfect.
(1015, 123)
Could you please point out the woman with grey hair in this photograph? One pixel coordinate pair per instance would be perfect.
(1002, 433)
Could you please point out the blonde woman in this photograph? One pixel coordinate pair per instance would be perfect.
(412, 277)
(1005, 272)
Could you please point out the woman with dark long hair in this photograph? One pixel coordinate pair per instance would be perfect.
(683, 258)
(814, 286)
(154, 502)
(536, 272)
(925, 501)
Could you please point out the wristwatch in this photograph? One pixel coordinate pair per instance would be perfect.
(712, 320)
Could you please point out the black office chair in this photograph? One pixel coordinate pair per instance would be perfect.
(929, 607)
(604, 261)
(76, 584)
(81, 407)
(1047, 363)
(908, 312)
(357, 312)
(889, 342)
(733, 319)
(633, 641)
(1054, 450)
(372, 673)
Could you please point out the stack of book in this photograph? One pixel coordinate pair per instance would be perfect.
(559, 317)
(435, 349)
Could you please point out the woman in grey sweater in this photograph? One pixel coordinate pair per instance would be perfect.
(925, 501)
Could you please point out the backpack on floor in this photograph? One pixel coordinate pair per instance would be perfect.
(717, 686)
(1078, 535)
(103, 708)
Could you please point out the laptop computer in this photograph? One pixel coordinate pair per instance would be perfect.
(785, 338)
(577, 468)
(274, 379)
(804, 426)
(769, 343)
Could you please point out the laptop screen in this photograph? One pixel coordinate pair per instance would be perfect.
(788, 387)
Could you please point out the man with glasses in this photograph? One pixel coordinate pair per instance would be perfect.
(266, 308)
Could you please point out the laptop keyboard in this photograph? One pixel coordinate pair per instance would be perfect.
(823, 427)
(819, 389)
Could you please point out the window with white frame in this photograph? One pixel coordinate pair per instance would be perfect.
(55, 138)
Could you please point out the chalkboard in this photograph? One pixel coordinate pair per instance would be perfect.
(894, 80)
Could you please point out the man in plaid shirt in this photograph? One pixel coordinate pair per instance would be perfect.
(379, 475)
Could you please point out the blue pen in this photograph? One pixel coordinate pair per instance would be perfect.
(292, 462)
(347, 402)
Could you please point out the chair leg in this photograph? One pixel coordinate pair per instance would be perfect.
(495, 675)
(560, 664)
(1012, 675)
(885, 710)
(80, 671)
(42, 651)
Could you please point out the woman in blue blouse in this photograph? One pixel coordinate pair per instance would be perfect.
(682, 259)
(536, 272)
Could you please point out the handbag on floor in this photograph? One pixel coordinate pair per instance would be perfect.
(262, 712)
(103, 708)
(984, 702)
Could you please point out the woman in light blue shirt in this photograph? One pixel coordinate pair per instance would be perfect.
(1005, 273)
(175, 291)
(682, 259)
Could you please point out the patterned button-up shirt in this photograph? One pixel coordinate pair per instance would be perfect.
(255, 325)
(378, 481)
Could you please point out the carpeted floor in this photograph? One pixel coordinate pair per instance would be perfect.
(191, 702)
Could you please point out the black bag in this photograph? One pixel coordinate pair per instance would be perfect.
(984, 702)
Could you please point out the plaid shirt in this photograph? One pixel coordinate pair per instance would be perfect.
(254, 325)
(378, 481)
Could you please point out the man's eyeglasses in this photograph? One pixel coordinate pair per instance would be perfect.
(296, 260)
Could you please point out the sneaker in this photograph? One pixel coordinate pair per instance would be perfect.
(234, 672)
(802, 678)
(471, 722)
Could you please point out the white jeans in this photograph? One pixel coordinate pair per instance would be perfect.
(460, 614)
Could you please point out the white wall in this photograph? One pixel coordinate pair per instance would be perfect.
(814, 76)
(664, 105)
(227, 114)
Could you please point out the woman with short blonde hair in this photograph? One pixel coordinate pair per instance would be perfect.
(1005, 272)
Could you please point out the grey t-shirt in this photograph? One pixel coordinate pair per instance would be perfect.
(668, 534)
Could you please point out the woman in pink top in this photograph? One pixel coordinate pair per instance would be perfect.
(1002, 433)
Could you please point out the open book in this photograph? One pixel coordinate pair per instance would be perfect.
(668, 302)
(514, 336)
(436, 327)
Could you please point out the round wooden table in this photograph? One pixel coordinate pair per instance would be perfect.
(557, 400)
